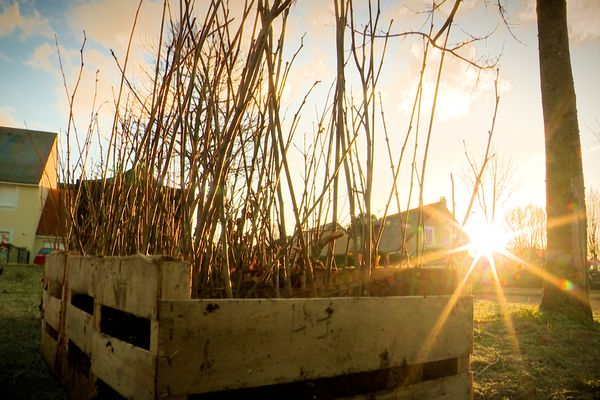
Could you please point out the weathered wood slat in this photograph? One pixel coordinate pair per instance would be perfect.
(135, 284)
(463, 364)
(52, 310)
(48, 347)
(54, 268)
(82, 273)
(127, 369)
(457, 387)
(79, 328)
(129, 284)
(176, 280)
(278, 341)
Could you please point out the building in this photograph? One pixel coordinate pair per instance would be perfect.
(401, 232)
(318, 240)
(28, 171)
(48, 233)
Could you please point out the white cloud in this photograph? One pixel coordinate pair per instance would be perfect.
(42, 58)
(109, 22)
(527, 13)
(12, 21)
(107, 25)
(320, 16)
(461, 86)
(417, 12)
(91, 94)
(7, 117)
(582, 17)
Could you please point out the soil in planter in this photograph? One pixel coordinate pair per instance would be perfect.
(125, 326)
(83, 302)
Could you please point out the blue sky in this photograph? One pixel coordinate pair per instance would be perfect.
(32, 92)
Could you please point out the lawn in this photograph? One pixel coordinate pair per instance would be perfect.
(548, 358)
(23, 372)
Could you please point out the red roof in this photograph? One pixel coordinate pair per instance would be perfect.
(48, 225)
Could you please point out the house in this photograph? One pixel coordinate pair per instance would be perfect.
(28, 171)
(400, 233)
(319, 239)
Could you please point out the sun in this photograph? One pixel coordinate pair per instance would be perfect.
(486, 239)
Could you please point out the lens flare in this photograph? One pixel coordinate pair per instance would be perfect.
(566, 284)
(486, 239)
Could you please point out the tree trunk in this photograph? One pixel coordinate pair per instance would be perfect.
(565, 205)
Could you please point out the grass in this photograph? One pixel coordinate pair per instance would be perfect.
(552, 358)
(23, 372)
(555, 358)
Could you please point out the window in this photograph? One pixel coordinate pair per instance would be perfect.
(429, 238)
(9, 196)
(6, 235)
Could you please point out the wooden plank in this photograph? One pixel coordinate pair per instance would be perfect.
(78, 385)
(79, 327)
(154, 325)
(54, 268)
(448, 388)
(52, 309)
(127, 369)
(210, 345)
(48, 347)
(82, 272)
(463, 364)
(176, 280)
(129, 284)
(54, 288)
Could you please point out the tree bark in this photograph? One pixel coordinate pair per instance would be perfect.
(565, 197)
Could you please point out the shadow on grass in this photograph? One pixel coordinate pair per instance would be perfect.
(23, 372)
(552, 357)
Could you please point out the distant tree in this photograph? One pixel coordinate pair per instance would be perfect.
(528, 226)
(565, 198)
(491, 180)
(359, 229)
(593, 223)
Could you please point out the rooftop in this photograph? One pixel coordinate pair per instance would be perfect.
(24, 154)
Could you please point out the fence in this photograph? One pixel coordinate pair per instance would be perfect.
(13, 254)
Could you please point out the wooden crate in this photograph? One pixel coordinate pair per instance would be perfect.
(82, 353)
(343, 347)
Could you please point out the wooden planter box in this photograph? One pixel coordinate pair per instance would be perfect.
(127, 327)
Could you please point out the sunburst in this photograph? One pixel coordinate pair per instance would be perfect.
(487, 240)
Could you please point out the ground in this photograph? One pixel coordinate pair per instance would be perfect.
(547, 359)
(532, 297)
(23, 373)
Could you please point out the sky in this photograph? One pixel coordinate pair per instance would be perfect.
(33, 95)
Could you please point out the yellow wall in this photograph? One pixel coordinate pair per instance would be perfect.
(50, 174)
(23, 220)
